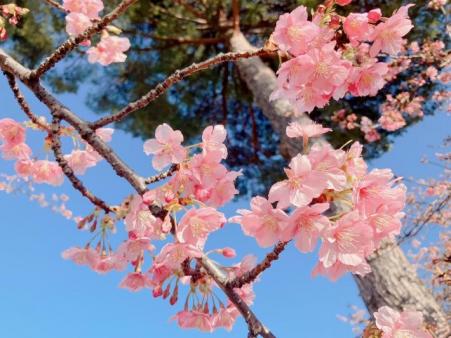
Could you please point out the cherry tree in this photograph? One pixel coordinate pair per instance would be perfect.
(327, 197)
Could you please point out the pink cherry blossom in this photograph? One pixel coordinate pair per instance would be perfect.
(197, 224)
(140, 221)
(306, 225)
(301, 186)
(19, 151)
(357, 27)
(392, 120)
(405, 324)
(305, 98)
(47, 172)
(295, 71)
(173, 254)
(294, 33)
(90, 8)
(225, 318)
(388, 35)
(77, 23)
(133, 248)
(376, 190)
(348, 241)
(338, 269)
(207, 170)
(106, 263)
(11, 132)
(326, 165)
(306, 131)
(223, 190)
(330, 70)
(80, 160)
(374, 15)
(166, 147)
(135, 281)
(109, 50)
(194, 319)
(213, 139)
(86, 256)
(24, 168)
(354, 165)
(368, 80)
(263, 222)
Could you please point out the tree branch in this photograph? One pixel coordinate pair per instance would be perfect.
(176, 77)
(67, 170)
(163, 175)
(252, 274)
(23, 103)
(56, 5)
(255, 326)
(71, 43)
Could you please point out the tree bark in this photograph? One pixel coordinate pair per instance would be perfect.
(393, 281)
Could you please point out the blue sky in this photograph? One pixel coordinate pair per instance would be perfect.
(43, 296)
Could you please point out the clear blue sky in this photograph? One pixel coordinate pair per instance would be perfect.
(43, 296)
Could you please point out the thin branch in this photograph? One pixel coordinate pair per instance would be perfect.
(71, 43)
(191, 9)
(163, 175)
(56, 5)
(254, 324)
(23, 103)
(236, 15)
(67, 170)
(176, 77)
(252, 274)
(189, 41)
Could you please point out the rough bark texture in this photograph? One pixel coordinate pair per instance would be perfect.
(393, 281)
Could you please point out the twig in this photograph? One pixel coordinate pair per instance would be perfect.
(23, 103)
(56, 5)
(71, 43)
(163, 175)
(252, 274)
(176, 77)
(254, 324)
(67, 170)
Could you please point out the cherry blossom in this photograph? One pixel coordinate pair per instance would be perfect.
(306, 131)
(213, 138)
(47, 172)
(197, 224)
(166, 147)
(90, 8)
(405, 324)
(388, 35)
(263, 222)
(135, 281)
(109, 50)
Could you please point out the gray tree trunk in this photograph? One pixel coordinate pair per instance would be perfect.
(393, 281)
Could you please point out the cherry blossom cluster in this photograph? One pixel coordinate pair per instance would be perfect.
(14, 147)
(329, 196)
(332, 199)
(82, 13)
(12, 14)
(321, 66)
(400, 324)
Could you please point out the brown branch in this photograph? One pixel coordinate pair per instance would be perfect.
(71, 43)
(56, 5)
(252, 274)
(191, 9)
(163, 175)
(67, 170)
(23, 103)
(176, 77)
(255, 326)
(236, 15)
(59, 111)
(189, 41)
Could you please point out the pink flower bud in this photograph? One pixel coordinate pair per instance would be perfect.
(343, 2)
(228, 252)
(374, 15)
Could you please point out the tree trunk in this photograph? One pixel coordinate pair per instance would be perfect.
(261, 81)
(393, 281)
